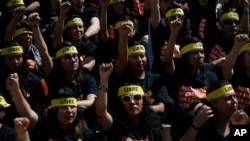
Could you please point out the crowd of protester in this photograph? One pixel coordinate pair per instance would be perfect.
(117, 70)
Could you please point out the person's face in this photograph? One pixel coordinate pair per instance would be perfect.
(226, 105)
(13, 62)
(196, 58)
(137, 61)
(70, 62)
(119, 8)
(175, 17)
(230, 27)
(133, 104)
(77, 31)
(66, 115)
(25, 40)
(247, 59)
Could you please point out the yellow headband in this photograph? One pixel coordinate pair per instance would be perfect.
(190, 47)
(115, 1)
(175, 11)
(3, 102)
(130, 90)
(71, 101)
(14, 3)
(220, 92)
(12, 50)
(229, 15)
(136, 49)
(22, 31)
(66, 50)
(246, 47)
(73, 21)
(118, 24)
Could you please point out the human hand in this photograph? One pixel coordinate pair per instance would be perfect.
(105, 70)
(203, 114)
(125, 29)
(19, 12)
(176, 25)
(12, 82)
(239, 118)
(34, 19)
(21, 125)
(240, 40)
(64, 8)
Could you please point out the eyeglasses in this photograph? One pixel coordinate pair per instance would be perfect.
(174, 17)
(127, 98)
(231, 22)
(69, 57)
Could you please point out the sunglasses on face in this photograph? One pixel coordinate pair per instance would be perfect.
(231, 22)
(69, 57)
(174, 17)
(127, 98)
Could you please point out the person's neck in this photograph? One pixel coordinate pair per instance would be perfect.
(222, 125)
(79, 8)
(70, 76)
(194, 70)
(139, 75)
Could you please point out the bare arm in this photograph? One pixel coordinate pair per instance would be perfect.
(11, 28)
(122, 59)
(168, 58)
(103, 116)
(103, 20)
(231, 58)
(20, 102)
(88, 64)
(245, 17)
(90, 99)
(47, 62)
(93, 29)
(58, 30)
(155, 16)
(33, 6)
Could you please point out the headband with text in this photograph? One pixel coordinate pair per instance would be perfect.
(136, 49)
(190, 47)
(71, 101)
(22, 31)
(118, 24)
(3, 103)
(73, 21)
(66, 50)
(115, 1)
(229, 16)
(246, 47)
(130, 90)
(227, 89)
(12, 50)
(175, 11)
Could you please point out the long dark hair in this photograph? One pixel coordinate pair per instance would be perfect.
(149, 119)
(78, 124)
(23, 70)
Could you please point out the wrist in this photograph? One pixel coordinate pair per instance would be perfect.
(103, 87)
(195, 127)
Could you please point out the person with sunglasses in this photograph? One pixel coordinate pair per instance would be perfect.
(135, 119)
(219, 44)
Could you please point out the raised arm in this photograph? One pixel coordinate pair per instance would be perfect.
(20, 102)
(11, 28)
(245, 17)
(103, 20)
(47, 63)
(122, 59)
(155, 16)
(21, 125)
(93, 29)
(231, 58)
(103, 116)
(58, 30)
(175, 27)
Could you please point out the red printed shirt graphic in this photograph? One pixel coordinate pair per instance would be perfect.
(189, 95)
(216, 53)
(111, 31)
(243, 96)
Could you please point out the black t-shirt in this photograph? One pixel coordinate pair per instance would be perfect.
(7, 133)
(34, 94)
(45, 131)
